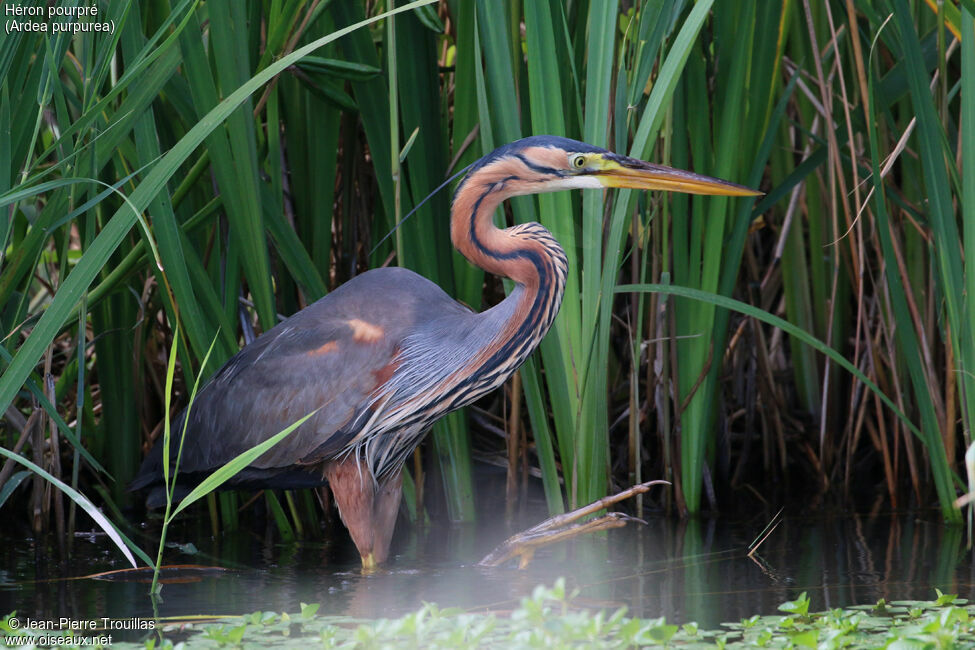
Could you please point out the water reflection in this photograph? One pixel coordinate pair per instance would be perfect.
(686, 571)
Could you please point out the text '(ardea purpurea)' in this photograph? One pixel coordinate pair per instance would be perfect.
(388, 353)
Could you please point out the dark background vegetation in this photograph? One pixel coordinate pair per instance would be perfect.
(192, 165)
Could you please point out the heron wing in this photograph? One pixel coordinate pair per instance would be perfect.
(329, 358)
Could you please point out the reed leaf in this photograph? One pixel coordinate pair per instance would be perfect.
(123, 543)
(113, 232)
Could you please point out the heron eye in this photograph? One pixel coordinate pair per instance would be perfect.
(579, 161)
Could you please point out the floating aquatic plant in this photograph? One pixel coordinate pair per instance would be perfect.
(550, 618)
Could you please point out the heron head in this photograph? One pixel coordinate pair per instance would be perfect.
(549, 164)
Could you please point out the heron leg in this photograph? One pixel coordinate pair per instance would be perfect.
(385, 509)
(367, 510)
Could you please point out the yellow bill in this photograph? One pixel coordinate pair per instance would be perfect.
(621, 171)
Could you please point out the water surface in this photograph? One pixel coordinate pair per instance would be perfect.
(686, 571)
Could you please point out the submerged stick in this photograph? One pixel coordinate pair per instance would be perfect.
(561, 527)
(766, 532)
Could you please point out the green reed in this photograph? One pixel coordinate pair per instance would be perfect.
(152, 175)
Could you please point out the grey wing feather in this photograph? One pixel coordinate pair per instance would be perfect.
(313, 360)
(263, 394)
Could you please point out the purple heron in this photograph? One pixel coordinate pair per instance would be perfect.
(388, 353)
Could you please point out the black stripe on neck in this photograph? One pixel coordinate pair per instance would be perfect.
(541, 169)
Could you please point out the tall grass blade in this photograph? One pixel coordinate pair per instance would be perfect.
(121, 542)
(906, 334)
(121, 221)
(649, 124)
(966, 339)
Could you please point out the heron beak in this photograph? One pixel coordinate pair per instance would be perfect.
(621, 171)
